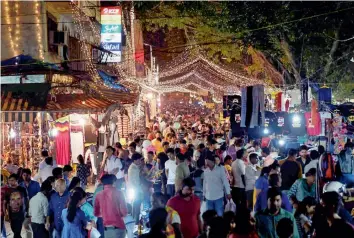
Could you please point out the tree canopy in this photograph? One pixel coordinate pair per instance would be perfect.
(311, 40)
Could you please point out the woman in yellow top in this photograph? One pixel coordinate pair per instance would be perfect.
(227, 165)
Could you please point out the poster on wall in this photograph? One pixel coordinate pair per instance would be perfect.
(111, 32)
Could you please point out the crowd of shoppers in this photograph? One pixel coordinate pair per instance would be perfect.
(184, 174)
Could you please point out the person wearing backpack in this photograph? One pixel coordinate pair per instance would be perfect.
(198, 177)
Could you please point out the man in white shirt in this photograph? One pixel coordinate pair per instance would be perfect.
(42, 164)
(134, 184)
(194, 140)
(251, 175)
(38, 211)
(170, 170)
(238, 173)
(46, 171)
(113, 165)
(215, 185)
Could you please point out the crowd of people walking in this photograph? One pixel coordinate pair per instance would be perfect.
(193, 180)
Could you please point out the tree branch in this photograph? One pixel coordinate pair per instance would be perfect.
(331, 53)
(286, 49)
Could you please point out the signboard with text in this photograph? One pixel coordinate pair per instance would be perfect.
(111, 32)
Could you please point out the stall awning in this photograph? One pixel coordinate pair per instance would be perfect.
(24, 97)
(18, 116)
(29, 116)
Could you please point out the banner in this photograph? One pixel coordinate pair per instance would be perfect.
(111, 32)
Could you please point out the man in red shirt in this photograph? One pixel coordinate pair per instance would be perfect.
(111, 206)
(188, 207)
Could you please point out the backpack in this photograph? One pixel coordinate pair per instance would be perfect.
(327, 167)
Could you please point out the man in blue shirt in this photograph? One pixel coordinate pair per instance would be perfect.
(67, 169)
(57, 204)
(30, 185)
(267, 219)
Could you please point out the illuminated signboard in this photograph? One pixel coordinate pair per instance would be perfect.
(111, 32)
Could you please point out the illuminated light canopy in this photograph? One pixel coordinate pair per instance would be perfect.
(37, 10)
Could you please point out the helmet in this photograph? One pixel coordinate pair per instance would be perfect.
(335, 186)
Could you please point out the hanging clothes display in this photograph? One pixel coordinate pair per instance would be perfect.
(295, 96)
(102, 136)
(243, 106)
(314, 112)
(91, 155)
(287, 105)
(282, 123)
(235, 118)
(77, 145)
(278, 101)
(249, 106)
(304, 92)
(62, 141)
(324, 116)
(252, 111)
(297, 124)
(325, 95)
(113, 130)
(313, 127)
(257, 118)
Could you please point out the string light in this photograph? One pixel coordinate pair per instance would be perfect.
(9, 28)
(80, 17)
(17, 28)
(37, 11)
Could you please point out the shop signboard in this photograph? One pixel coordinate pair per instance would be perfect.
(111, 32)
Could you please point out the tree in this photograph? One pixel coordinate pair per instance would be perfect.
(300, 39)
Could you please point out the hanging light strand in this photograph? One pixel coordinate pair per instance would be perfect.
(17, 28)
(79, 17)
(37, 11)
(9, 28)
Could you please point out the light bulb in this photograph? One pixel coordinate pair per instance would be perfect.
(281, 142)
(54, 132)
(296, 118)
(12, 133)
(266, 131)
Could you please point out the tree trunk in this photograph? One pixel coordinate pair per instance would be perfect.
(286, 49)
(331, 54)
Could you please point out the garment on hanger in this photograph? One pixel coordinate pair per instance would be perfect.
(324, 116)
(278, 102)
(282, 123)
(325, 95)
(243, 106)
(297, 126)
(235, 120)
(77, 145)
(313, 127)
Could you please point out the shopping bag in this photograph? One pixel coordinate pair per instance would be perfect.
(230, 206)
(94, 233)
